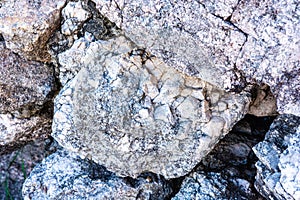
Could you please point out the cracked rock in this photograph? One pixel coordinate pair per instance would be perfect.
(25, 86)
(183, 34)
(64, 175)
(26, 25)
(132, 113)
(278, 166)
(272, 52)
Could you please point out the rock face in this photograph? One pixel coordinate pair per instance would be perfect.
(272, 51)
(183, 34)
(278, 165)
(132, 113)
(24, 85)
(29, 35)
(64, 175)
(228, 171)
(228, 44)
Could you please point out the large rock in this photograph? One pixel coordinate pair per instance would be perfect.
(64, 175)
(27, 25)
(228, 44)
(272, 51)
(278, 166)
(183, 34)
(132, 113)
(25, 86)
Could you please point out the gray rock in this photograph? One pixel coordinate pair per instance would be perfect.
(25, 86)
(183, 34)
(271, 53)
(132, 113)
(64, 175)
(278, 165)
(27, 25)
(16, 132)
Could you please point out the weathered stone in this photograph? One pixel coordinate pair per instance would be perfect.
(264, 103)
(278, 165)
(272, 52)
(183, 34)
(14, 131)
(228, 171)
(222, 9)
(24, 85)
(64, 175)
(27, 25)
(132, 113)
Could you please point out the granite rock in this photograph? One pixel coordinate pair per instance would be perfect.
(184, 34)
(278, 165)
(26, 26)
(272, 52)
(64, 175)
(132, 113)
(25, 86)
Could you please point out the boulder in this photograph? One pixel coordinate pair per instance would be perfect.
(278, 166)
(25, 86)
(64, 175)
(132, 113)
(26, 26)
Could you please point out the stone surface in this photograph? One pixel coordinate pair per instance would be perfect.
(278, 165)
(25, 86)
(272, 52)
(64, 175)
(14, 131)
(229, 44)
(27, 25)
(16, 166)
(132, 113)
(183, 34)
(228, 171)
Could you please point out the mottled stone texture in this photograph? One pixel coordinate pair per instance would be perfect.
(228, 44)
(24, 85)
(183, 34)
(278, 165)
(272, 51)
(64, 175)
(132, 113)
(27, 25)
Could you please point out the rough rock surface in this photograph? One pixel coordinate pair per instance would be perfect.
(272, 52)
(16, 166)
(25, 86)
(183, 34)
(228, 171)
(228, 44)
(278, 166)
(27, 25)
(64, 175)
(132, 113)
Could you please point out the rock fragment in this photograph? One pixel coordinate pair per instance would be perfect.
(132, 113)
(278, 165)
(26, 26)
(25, 86)
(64, 175)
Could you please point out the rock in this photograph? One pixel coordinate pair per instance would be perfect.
(16, 132)
(132, 113)
(278, 165)
(183, 34)
(26, 26)
(64, 175)
(228, 171)
(25, 86)
(272, 53)
(16, 166)
(264, 103)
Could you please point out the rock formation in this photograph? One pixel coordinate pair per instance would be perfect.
(143, 91)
